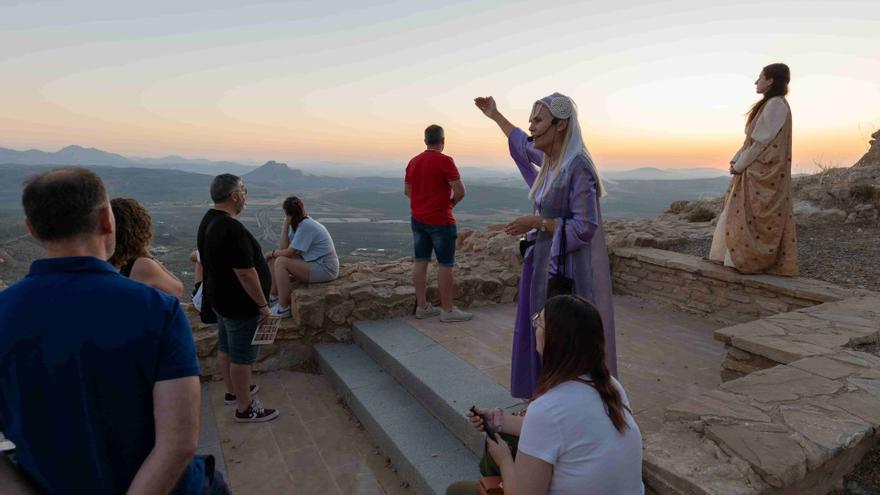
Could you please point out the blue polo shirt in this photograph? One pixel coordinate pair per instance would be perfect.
(80, 349)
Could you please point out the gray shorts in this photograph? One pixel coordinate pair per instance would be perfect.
(323, 269)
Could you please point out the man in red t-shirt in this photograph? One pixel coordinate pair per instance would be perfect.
(434, 187)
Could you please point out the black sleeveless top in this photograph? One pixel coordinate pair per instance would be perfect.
(126, 268)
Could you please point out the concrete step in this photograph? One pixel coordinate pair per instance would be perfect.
(425, 453)
(442, 382)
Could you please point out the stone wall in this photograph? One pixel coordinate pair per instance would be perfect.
(487, 272)
(708, 289)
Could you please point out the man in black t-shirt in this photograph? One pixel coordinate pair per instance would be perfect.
(236, 279)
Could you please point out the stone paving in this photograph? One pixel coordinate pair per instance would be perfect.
(814, 331)
(664, 356)
(314, 447)
(796, 427)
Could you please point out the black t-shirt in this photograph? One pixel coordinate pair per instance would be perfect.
(224, 244)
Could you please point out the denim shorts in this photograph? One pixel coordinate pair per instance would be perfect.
(437, 238)
(234, 338)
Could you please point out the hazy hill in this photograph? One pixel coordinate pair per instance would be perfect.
(198, 165)
(274, 173)
(78, 155)
(282, 174)
(71, 155)
(651, 173)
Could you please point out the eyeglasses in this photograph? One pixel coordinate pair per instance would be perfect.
(244, 190)
(538, 321)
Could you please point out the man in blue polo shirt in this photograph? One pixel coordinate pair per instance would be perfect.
(99, 385)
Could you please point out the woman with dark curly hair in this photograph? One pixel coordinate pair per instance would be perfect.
(132, 255)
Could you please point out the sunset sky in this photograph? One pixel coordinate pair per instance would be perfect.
(658, 83)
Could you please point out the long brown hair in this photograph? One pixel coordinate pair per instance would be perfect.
(574, 345)
(294, 208)
(781, 76)
(134, 230)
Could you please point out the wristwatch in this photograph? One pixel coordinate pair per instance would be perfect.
(543, 227)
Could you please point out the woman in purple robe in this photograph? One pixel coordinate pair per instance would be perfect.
(565, 189)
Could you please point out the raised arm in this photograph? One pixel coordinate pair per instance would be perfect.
(524, 154)
(486, 104)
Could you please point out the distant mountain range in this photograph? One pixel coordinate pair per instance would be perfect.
(78, 155)
(274, 171)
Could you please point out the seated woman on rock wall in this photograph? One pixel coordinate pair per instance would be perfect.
(134, 231)
(579, 435)
(305, 253)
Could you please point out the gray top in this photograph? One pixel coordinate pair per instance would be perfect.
(311, 240)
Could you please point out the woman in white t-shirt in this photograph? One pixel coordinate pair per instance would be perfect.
(579, 436)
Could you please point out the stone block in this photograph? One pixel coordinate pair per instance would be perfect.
(509, 295)
(714, 405)
(827, 367)
(829, 429)
(734, 295)
(780, 384)
(771, 307)
(750, 329)
(861, 359)
(677, 460)
(745, 366)
(339, 312)
(781, 349)
(859, 404)
(769, 449)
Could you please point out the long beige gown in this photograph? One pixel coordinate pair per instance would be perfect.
(756, 230)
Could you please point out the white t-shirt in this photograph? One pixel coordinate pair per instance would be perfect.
(569, 428)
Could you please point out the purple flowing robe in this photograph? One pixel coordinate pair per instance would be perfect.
(586, 262)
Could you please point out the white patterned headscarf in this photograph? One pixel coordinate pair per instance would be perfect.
(563, 107)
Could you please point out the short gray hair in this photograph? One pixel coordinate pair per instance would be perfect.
(434, 135)
(223, 186)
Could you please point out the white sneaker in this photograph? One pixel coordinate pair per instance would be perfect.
(426, 312)
(280, 312)
(455, 315)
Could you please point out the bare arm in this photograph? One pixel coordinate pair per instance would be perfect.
(176, 414)
(283, 240)
(152, 273)
(526, 475)
(486, 104)
(457, 191)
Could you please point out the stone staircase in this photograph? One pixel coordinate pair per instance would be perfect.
(410, 394)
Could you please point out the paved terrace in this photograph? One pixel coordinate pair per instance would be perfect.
(317, 447)
(664, 356)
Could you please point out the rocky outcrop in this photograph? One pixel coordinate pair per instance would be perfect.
(683, 221)
(487, 272)
(850, 195)
(872, 157)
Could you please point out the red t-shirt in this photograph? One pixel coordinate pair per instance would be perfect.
(430, 198)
